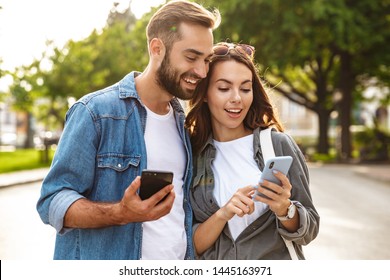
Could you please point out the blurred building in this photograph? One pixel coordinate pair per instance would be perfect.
(297, 120)
(8, 124)
(13, 128)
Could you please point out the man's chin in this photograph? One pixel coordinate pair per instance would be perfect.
(185, 94)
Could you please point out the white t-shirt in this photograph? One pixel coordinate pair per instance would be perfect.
(234, 167)
(165, 238)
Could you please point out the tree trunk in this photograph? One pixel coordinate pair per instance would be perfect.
(346, 87)
(29, 142)
(323, 110)
(323, 124)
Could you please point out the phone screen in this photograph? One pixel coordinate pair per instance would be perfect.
(281, 163)
(152, 181)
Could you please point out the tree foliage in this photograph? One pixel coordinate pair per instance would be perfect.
(310, 50)
(66, 73)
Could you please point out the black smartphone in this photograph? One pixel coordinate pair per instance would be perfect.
(152, 181)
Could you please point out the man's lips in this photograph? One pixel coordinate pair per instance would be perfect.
(191, 81)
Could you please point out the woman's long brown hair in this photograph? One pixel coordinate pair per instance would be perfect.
(261, 112)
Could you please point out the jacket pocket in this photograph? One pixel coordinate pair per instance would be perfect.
(118, 162)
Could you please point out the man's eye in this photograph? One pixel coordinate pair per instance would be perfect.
(191, 58)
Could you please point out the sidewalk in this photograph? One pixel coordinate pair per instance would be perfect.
(379, 172)
(22, 177)
(375, 171)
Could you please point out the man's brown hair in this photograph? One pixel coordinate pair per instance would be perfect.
(165, 23)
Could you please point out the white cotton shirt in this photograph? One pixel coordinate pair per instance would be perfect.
(165, 238)
(234, 167)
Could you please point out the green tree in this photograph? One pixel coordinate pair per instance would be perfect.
(69, 72)
(25, 90)
(101, 59)
(311, 50)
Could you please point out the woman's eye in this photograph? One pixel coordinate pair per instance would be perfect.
(223, 89)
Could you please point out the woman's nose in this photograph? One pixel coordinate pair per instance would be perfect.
(236, 97)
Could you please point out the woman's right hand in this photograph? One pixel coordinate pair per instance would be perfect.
(240, 204)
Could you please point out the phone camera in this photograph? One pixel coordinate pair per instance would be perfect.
(271, 165)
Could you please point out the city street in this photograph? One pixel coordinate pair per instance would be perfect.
(354, 210)
(23, 236)
(355, 215)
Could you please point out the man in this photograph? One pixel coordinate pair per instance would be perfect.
(113, 134)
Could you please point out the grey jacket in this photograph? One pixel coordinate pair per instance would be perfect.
(261, 239)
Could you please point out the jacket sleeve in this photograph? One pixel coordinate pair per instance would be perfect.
(309, 219)
(71, 175)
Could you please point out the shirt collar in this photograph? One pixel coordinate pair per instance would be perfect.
(127, 86)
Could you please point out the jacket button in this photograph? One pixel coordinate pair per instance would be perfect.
(119, 165)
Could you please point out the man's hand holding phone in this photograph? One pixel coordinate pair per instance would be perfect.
(153, 181)
(133, 209)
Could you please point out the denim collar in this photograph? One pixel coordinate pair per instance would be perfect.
(127, 86)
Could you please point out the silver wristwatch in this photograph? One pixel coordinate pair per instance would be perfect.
(290, 213)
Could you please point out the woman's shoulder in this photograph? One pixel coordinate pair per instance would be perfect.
(281, 136)
(284, 141)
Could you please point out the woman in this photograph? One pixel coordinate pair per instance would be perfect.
(229, 109)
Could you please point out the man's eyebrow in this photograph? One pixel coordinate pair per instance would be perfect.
(193, 51)
(196, 52)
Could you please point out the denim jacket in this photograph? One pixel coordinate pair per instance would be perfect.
(101, 151)
(261, 239)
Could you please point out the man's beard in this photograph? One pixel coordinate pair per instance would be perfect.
(168, 78)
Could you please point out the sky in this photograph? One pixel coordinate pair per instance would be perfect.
(25, 25)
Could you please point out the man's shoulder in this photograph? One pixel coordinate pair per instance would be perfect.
(100, 95)
(122, 89)
(111, 96)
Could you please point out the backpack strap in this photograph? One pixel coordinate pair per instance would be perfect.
(267, 149)
(266, 145)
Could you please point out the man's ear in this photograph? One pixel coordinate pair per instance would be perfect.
(157, 48)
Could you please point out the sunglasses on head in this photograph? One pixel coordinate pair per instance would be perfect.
(222, 49)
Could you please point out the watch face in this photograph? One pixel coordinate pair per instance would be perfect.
(291, 211)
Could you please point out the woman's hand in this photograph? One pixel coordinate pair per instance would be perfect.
(240, 204)
(278, 196)
(208, 232)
